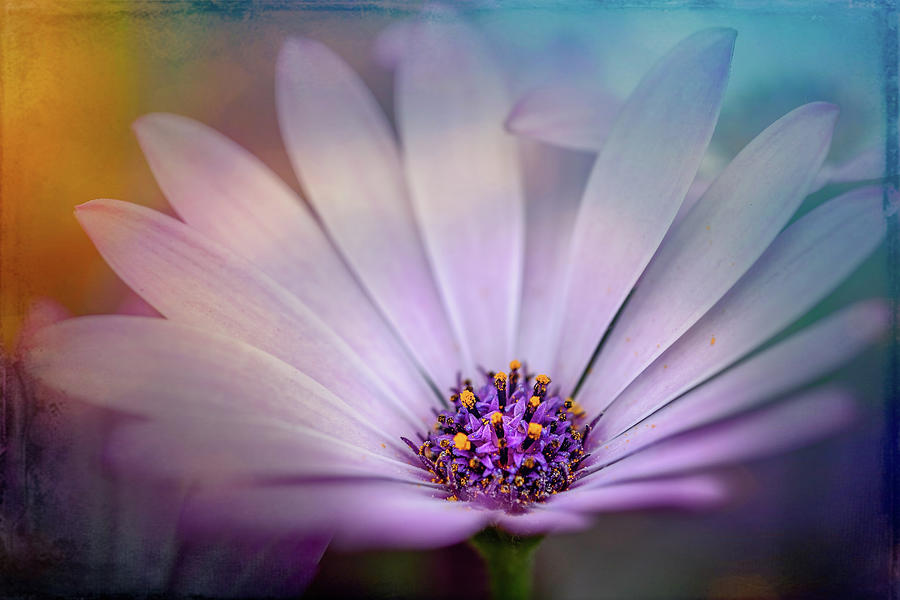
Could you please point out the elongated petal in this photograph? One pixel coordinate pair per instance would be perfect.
(868, 164)
(541, 520)
(693, 491)
(228, 195)
(569, 117)
(804, 264)
(216, 449)
(166, 370)
(715, 244)
(800, 421)
(801, 358)
(193, 280)
(375, 514)
(638, 182)
(554, 180)
(464, 181)
(346, 158)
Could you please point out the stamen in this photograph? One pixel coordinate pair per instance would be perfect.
(500, 384)
(468, 400)
(503, 458)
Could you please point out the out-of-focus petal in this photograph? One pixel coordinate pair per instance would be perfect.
(541, 520)
(167, 370)
(802, 266)
(229, 196)
(692, 491)
(868, 164)
(42, 313)
(802, 357)
(191, 279)
(346, 158)
(464, 180)
(362, 515)
(577, 118)
(229, 565)
(554, 180)
(715, 244)
(218, 448)
(772, 430)
(639, 180)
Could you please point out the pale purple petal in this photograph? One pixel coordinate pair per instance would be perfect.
(802, 357)
(577, 118)
(167, 370)
(229, 196)
(346, 158)
(639, 180)
(692, 491)
(190, 279)
(715, 244)
(464, 180)
(801, 267)
(554, 180)
(362, 515)
(868, 164)
(219, 448)
(772, 430)
(541, 520)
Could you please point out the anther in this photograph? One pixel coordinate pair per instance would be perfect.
(532, 405)
(514, 367)
(500, 384)
(540, 385)
(461, 441)
(504, 453)
(468, 399)
(534, 434)
(497, 422)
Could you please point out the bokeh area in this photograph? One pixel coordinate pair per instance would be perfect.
(76, 74)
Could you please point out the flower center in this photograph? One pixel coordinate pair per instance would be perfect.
(505, 444)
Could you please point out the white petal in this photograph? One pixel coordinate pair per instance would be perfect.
(715, 244)
(801, 267)
(803, 357)
(639, 180)
(195, 281)
(810, 417)
(228, 195)
(463, 175)
(346, 158)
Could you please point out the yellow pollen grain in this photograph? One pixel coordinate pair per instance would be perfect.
(500, 378)
(467, 398)
(514, 364)
(712, 341)
(534, 430)
(665, 366)
(534, 402)
(707, 228)
(496, 418)
(542, 379)
(383, 446)
(461, 441)
(576, 409)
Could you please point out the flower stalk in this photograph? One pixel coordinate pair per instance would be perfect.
(509, 562)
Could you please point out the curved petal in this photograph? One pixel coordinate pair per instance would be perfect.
(569, 117)
(803, 357)
(346, 158)
(692, 491)
(229, 196)
(166, 370)
(718, 240)
(772, 430)
(868, 164)
(216, 448)
(554, 180)
(463, 174)
(802, 266)
(192, 280)
(639, 180)
(362, 515)
(541, 520)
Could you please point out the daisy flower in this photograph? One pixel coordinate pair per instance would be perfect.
(453, 339)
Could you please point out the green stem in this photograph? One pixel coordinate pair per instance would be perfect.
(509, 560)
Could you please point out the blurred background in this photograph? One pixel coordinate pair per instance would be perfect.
(76, 74)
